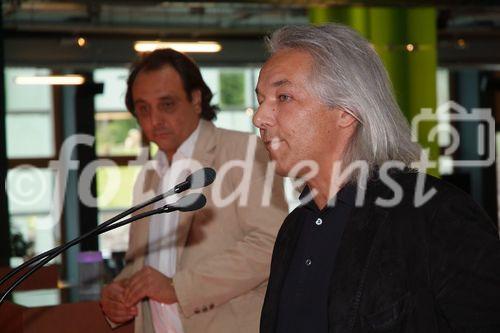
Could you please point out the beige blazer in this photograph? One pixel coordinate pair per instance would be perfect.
(223, 254)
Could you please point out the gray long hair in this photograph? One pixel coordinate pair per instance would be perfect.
(348, 74)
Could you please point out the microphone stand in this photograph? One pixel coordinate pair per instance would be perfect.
(90, 233)
(58, 250)
(208, 174)
(189, 205)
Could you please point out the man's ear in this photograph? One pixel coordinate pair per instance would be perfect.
(196, 100)
(346, 119)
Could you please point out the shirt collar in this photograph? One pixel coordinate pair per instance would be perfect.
(185, 150)
(187, 147)
(346, 195)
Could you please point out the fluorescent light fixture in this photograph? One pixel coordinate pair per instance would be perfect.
(185, 47)
(66, 80)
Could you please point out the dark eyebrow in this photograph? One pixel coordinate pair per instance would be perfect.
(280, 83)
(166, 98)
(162, 98)
(139, 100)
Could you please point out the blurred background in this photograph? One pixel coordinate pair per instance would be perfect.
(435, 52)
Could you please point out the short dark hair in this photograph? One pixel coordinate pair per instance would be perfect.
(188, 71)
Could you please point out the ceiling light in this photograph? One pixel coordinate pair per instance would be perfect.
(185, 47)
(410, 47)
(81, 41)
(461, 43)
(50, 80)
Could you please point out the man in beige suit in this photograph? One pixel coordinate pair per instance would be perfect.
(203, 271)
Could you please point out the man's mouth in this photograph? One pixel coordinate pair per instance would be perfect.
(161, 132)
(273, 144)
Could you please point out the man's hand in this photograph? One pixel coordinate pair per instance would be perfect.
(113, 303)
(150, 283)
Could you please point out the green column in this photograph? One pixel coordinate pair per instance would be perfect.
(388, 35)
(320, 14)
(390, 30)
(422, 68)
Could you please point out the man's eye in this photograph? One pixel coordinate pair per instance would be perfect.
(141, 109)
(284, 98)
(166, 105)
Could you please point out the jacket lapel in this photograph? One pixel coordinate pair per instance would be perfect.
(354, 256)
(204, 153)
(139, 232)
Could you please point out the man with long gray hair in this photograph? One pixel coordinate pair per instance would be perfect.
(375, 246)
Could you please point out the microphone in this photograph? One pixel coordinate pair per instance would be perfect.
(200, 178)
(187, 203)
(190, 202)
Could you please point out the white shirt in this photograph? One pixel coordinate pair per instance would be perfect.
(162, 250)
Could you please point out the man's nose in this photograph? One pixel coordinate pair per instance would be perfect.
(156, 117)
(264, 117)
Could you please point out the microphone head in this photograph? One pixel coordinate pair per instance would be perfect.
(190, 202)
(201, 178)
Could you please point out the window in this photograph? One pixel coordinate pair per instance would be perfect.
(233, 90)
(119, 140)
(117, 131)
(30, 183)
(29, 110)
(114, 194)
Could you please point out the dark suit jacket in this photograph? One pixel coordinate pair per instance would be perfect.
(433, 268)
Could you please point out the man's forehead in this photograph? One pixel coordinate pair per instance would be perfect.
(284, 69)
(158, 83)
(283, 65)
(275, 84)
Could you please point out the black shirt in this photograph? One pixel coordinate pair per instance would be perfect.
(304, 297)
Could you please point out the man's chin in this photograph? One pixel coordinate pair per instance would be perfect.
(280, 171)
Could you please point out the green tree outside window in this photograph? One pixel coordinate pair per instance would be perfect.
(232, 89)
